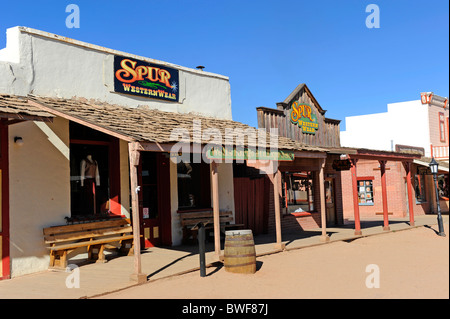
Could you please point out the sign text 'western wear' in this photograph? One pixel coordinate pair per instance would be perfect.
(304, 117)
(145, 79)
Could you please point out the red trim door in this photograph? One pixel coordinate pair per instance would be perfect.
(154, 199)
(4, 203)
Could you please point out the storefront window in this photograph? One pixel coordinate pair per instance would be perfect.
(298, 192)
(90, 173)
(419, 187)
(89, 180)
(194, 190)
(365, 192)
(443, 187)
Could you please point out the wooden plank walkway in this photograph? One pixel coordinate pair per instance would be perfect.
(97, 279)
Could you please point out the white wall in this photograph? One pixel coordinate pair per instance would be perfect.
(405, 123)
(39, 190)
(55, 66)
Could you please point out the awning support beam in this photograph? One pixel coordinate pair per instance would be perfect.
(216, 213)
(276, 193)
(407, 166)
(134, 156)
(323, 209)
(355, 197)
(384, 195)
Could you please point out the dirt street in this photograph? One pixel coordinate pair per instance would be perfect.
(410, 264)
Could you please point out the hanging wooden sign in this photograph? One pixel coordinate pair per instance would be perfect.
(341, 165)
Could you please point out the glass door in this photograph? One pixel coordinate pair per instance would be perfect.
(148, 200)
(330, 201)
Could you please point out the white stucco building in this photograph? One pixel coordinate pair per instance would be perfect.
(410, 123)
(42, 149)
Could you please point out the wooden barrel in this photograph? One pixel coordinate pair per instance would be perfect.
(239, 254)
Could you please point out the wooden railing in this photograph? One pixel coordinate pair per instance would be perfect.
(439, 152)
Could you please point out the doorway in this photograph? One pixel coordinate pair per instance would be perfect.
(330, 202)
(94, 174)
(154, 199)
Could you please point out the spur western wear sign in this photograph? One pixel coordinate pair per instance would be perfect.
(145, 79)
(303, 116)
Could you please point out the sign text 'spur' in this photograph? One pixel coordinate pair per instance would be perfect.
(145, 79)
(304, 117)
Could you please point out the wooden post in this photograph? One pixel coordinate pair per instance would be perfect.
(407, 166)
(276, 185)
(355, 197)
(384, 195)
(323, 210)
(216, 214)
(134, 163)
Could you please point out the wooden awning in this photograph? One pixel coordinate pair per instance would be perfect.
(16, 109)
(156, 130)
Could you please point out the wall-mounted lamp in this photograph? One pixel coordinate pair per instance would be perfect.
(18, 140)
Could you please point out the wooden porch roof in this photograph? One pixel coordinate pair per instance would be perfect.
(145, 125)
(17, 108)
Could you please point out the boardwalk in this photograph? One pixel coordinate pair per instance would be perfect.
(157, 263)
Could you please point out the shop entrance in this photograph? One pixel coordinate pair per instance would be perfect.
(330, 201)
(4, 203)
(154, 199)
(94, 174)
(297, 189)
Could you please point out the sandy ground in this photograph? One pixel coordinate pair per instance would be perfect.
(412, 264)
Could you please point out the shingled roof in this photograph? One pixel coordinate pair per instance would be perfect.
(149, 125)
(17, 107)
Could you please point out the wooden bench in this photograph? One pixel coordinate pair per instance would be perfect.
(96, 236)
(189, 221)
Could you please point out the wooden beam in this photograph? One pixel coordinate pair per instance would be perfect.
(407, 166)
(216, 213)
(276, 185)
(384, 195)
(386, 157)
(323, 209)
(355, 197)
(81, 121)
(11, 122)
(25, 117)
(161, 147)
(310, 154)
(134, 163)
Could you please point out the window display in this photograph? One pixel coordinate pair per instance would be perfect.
(419, 187)
(297, 192)
(194, 190)
(365, 192)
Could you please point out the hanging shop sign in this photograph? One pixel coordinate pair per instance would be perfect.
(225, 153)
(145, 79)
(341, 165)
(304, 117)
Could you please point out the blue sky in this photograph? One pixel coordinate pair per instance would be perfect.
(267, 48)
